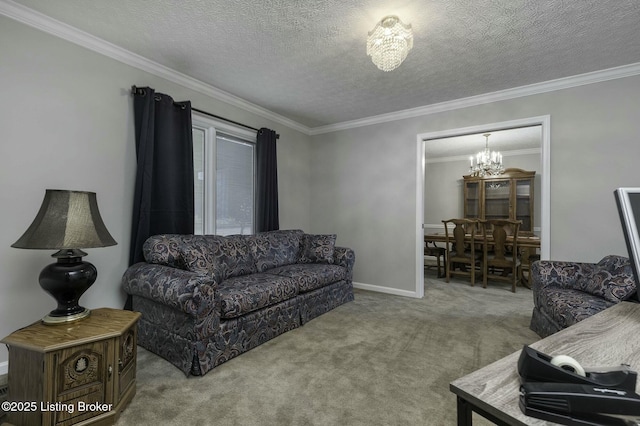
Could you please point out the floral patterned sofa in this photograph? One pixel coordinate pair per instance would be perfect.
(206, 299)
(567, 292)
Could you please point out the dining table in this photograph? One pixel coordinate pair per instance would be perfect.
(528, 246)
(524, 241)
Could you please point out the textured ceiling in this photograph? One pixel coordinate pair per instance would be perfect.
(306, 60)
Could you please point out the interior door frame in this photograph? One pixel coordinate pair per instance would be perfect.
(545, 191)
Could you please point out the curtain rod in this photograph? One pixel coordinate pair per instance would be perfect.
(134, 90)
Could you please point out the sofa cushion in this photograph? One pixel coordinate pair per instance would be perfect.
(612, 279)
(311, 276)
(224, 257)
(317, 248)
(164, 249)
(567, 307)
(275, 248)
(243, 294)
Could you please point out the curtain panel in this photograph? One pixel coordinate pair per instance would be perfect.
(163, 198)
(267, 181)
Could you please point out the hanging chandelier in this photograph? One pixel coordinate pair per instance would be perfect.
(389, 42)
(487, 162)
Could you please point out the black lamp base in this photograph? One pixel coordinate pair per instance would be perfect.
(52, 319)
(66, 281)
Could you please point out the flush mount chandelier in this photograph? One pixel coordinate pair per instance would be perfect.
(487, 162)
(389, 42)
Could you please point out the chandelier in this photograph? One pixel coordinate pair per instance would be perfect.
(487, 162)
(389, 43)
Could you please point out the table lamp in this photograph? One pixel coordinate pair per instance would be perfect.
(67, 221)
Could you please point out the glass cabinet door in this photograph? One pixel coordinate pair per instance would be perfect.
(497, 195)
(524, 204)
(471, 200)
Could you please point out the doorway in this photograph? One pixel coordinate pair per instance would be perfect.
(442, 138)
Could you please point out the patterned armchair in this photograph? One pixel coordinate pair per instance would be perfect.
(567, 292)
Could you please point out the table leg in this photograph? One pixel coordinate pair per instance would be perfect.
(464, 413)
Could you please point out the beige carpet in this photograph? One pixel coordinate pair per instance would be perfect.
(381, 360)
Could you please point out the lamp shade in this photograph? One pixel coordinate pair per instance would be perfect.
(66, 220)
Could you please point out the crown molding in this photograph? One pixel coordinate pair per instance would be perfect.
(59, 29)
(502, 95)
(465, 158)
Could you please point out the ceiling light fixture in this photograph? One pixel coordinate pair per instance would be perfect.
(389, 42)
(487, 162)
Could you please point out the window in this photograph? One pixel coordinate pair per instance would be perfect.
(224, 178)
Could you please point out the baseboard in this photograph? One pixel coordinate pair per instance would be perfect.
(4, 368)
(388, 290)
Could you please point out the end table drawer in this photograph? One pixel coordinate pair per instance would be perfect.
(80, 367)
(82, 405)
(80, 381)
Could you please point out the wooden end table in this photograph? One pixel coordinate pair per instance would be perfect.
(80, 372)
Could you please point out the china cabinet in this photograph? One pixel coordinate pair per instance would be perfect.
(506, 196)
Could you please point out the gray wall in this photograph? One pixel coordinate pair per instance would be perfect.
(66, 122)
(443, 191)
(364, 179)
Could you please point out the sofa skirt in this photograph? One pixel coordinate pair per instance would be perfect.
(542, 324)
(241, 334)
(170, 346)
(320, 301)
(169, 333)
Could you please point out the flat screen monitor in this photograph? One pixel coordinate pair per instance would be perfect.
(628, 201)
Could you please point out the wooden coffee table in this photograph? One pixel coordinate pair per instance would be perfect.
(607, 339)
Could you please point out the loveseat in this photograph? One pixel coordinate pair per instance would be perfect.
(567, 292)
(206, 299)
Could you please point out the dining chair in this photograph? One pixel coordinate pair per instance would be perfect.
(501, 260)
(438, 252)
(461, 248)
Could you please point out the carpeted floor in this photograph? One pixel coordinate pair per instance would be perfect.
(381, 360)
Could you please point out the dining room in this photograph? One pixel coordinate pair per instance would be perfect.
(484, 176)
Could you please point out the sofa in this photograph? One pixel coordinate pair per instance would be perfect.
(567, 292)
(206, 299)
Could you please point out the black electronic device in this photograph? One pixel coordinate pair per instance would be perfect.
(628, 203)
(580, 404)
(535, 366)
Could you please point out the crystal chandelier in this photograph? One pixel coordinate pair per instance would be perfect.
(389, 43)
(486, 162)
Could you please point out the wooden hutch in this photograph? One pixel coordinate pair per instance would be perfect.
(505, 196)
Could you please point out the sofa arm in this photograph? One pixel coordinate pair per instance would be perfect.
(546, 273)
(343, 256)
(188, 292)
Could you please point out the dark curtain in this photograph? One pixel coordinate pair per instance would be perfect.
(163, 201)
(267, 181)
